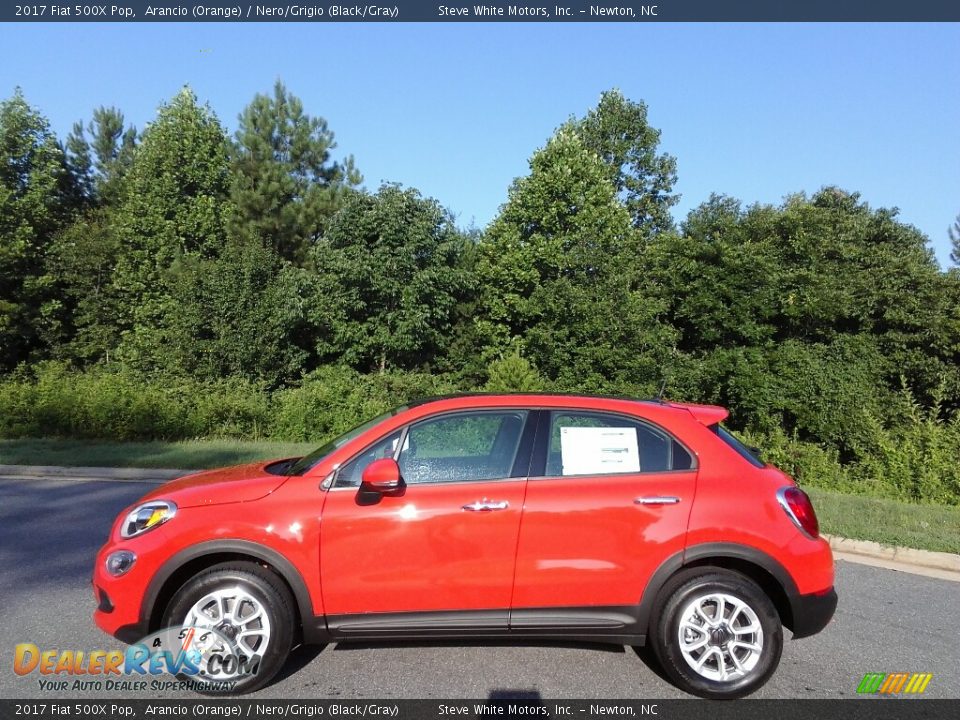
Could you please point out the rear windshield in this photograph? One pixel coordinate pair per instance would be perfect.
(742, 450)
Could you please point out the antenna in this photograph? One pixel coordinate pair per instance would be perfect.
(663, 387)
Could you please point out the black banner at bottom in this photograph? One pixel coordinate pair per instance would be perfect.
(529, 707)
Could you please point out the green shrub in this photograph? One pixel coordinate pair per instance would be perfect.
(806, 462)
(231, 408)
(513, 373)
(913, 458)
(916, 458)
(51, 401)
(332, 400)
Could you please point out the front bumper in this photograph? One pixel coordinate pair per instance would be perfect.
(120, 610)
(117, 612)
(811, 613)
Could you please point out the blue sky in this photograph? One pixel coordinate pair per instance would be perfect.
(753, 111)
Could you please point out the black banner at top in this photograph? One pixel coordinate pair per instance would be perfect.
(460, 11)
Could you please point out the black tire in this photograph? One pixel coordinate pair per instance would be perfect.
(691, 585)
(273, 595)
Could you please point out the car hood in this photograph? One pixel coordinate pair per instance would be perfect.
(241, 483)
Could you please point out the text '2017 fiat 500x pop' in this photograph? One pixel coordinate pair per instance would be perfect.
(493, 516)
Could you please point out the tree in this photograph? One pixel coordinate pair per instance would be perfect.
(617, 130)
(513, 374)
(100, 164)
(388, 280)
(558, 276)
(175, 207)
(87, 308)
(954, 232)
(83, 317)
(35, 201)
(720, 277)
(285, 186)
(806, 315)
(240, 314)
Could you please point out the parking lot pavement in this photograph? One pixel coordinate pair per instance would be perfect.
(887, 621)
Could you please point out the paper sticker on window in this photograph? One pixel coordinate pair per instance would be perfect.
(598, 450)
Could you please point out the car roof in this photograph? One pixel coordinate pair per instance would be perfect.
(534, 395)
(706, 414)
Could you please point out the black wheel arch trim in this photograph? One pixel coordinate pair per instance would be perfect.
(793, 616)
(313, 631)
(743, 552)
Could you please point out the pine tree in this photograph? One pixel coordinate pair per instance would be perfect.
(954, 233)
(100, 163)
(285, 185)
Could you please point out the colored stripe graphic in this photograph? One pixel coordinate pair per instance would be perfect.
(871, 682)
(894, 683)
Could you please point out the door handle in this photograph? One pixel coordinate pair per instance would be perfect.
(657, 500)
(486, 505)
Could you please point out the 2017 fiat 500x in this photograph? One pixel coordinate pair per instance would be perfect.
(493, 516)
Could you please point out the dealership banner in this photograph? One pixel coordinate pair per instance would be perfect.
(530, 705)
(453, 11)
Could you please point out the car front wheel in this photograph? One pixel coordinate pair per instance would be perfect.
(717, 634)
(237, 617)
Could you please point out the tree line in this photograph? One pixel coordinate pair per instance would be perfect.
(182, 255)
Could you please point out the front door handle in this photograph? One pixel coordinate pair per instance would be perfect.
(657, 500)
(486, 505)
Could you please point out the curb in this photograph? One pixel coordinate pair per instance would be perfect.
(948, 562)
(46, 472)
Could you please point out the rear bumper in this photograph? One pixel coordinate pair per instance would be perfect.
(812, 613)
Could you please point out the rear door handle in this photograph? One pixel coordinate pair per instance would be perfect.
(486, 505)
(657, 500)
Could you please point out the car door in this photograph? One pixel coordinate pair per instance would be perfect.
(607, 501)
(439, 553)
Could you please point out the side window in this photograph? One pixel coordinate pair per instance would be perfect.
(350, 474)
(584, 443)
(462, 447)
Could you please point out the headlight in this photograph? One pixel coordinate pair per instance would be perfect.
(146, 517)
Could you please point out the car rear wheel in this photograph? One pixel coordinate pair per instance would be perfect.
(238, 619)
(717, 634)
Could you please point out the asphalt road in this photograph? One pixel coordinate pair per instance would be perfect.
(887, 621)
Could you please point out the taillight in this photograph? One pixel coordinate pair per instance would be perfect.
(798, 508)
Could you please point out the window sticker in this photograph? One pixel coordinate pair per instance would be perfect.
(599, 450)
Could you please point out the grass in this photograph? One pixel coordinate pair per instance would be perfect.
(189, 454)
(891, 522)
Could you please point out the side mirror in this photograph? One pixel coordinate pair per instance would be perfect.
(381, 476)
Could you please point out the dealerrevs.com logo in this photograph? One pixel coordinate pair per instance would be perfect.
(200, 658)
(901, 683)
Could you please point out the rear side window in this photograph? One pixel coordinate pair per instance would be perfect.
(741, 449)
(587, 443)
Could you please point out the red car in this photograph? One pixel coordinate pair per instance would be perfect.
(495, 516)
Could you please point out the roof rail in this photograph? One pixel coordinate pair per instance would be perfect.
(599, 396)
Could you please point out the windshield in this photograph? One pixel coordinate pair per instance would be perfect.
(746, 453)
(309, 461)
